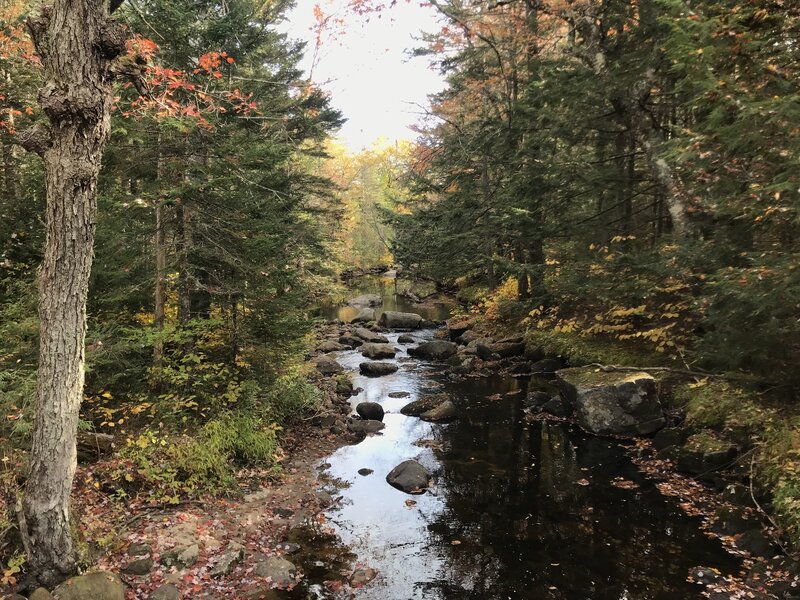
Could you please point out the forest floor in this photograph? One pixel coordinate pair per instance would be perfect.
(218, 547)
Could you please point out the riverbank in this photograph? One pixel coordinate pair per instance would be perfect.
(251, 540)
(725, 453)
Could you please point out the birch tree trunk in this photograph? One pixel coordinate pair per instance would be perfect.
(76, 41)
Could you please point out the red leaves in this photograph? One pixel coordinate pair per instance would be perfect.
(191, 96)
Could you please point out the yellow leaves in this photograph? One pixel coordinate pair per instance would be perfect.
(622, 238)
(627, 312)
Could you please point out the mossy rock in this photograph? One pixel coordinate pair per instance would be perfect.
(612, 403)
(91, 586)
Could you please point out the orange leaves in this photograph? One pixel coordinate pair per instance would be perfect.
(210, 62)
(193, 96)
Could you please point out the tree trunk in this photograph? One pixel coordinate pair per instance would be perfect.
(184, 234)
(76, 42)
(160, 295)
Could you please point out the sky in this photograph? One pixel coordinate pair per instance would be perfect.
(368, 71)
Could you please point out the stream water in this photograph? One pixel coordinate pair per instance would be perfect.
(518, 509)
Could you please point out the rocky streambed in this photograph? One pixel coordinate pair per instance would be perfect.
(477, 471)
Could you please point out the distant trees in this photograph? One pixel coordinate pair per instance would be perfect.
(617, 156)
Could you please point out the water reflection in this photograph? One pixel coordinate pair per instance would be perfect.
(508, 516)
(519, 510)
(389, 290)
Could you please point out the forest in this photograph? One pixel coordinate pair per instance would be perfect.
(592, 235)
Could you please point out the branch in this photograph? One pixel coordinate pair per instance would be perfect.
(36, 139)
(730, 376)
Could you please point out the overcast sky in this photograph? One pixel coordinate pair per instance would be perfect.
(368, 72)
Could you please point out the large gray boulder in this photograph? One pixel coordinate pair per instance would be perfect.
(377, 369)
(400, 320)
(370, 336)
(409, 477)
(613, 403)
(371, 350)
(364, 316)
(91, 586)
(366, 300)
(331, 346)
(434, 350)
(327, 366)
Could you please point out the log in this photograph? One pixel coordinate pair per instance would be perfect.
(91, 445)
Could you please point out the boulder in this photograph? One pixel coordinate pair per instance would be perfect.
(365, 426)
(227, 562)
(558, 407)
(537, 398)
(166, 592)
(365, 315)
(370, 410)
(327, 366)
(365, 300)
(377, 369)
(331, 346)
(669, 438)
(400, 320)
(370, 336)
(40, 594)
(446, 411)
(458, 326)
(507, 349)
(521, 369)
(546, 368)
(349, 340)
(371, 350)
(703, 453)
(399, 394)
(406, 339)
(409, 477)
(344, 387)
(281, 571)
(188, 556)
(139, 566)
(467, 337)
(424, 404)
(91, 586)
(139, 550)
(434, 350)
(512, 339)
(613, 403)
(365, 472)
(484, 351)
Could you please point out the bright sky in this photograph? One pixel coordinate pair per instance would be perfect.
(368, 71)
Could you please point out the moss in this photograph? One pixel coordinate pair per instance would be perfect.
(721, 405)
(589, 376)
(774, 431)
(583, 350)
(705, 441)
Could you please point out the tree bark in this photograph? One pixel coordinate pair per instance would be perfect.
(183, 231)
(76, 41)
(160, 292)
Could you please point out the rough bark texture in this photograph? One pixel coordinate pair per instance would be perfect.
(76, 41)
